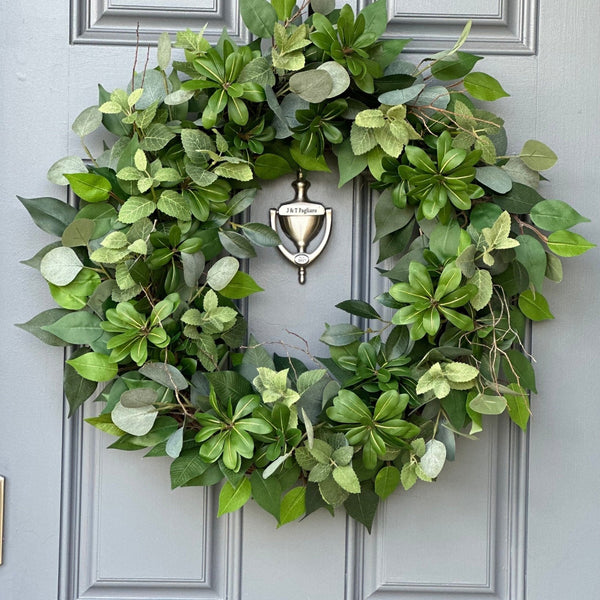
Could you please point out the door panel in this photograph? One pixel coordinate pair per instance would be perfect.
(96, 523)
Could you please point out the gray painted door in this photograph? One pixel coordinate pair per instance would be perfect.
(515, 517)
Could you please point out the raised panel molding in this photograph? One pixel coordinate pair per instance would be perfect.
(499, 26)
(501, 574)
(88, 568)
(115, 21)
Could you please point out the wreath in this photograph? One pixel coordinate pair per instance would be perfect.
(146, 269)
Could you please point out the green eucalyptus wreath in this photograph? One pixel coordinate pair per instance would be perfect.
(146, 270)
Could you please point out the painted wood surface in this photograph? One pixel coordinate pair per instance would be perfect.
(513, 518)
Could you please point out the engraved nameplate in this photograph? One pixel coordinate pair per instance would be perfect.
(301, 209)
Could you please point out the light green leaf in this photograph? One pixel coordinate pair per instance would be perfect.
(87, 121)
(519, 172)
(258, 71)
(196, 143)
(135, 412)
(408, 475)
(314, 86)
(537, 156)
(222, 272)
(178, 97)
(94, 366)
(518, 406)
(78, 233)
(362, 139)
(402, 96)
(553, 215)
(233, 498)
(534, 306)
(163, 52)
(89, 186)
(60, 266)
(136, 208)
(68, 164)
(567, 243)
(486, 404)
(239, 171)
(483, 280)
(74, 295)
(370, 118)
(483, 87)
(339, 76)
(387, 481)
(346, 478)
(174, 443)
(293, 505)
(240, 286)
(173, 204)
(432, 462)
(457, 372)
(157, 137)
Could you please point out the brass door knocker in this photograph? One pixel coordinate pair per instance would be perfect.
(302, 220)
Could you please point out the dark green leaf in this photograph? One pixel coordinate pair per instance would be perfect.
(362, 507)
(520, 200)
(48, 317)
(271, 166)
(186, 467)
(49, 214)
(259, 17)
(267, 493)
(388, 217)
(165, 374)
(359, 308)
(454, 66)
(341, 335)
(77, 389)
(531, 254)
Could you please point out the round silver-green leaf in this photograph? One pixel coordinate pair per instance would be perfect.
(60, 266)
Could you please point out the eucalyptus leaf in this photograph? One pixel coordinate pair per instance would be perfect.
(312, 86)
(60, 266)
(165, 374)
(68, 164)
(87, 121)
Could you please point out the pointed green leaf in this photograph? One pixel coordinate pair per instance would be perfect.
(534, 306)
(233, 498)
(293, 505)
(483, 87)
(94, 366)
